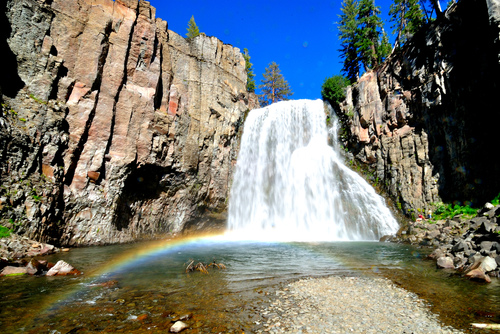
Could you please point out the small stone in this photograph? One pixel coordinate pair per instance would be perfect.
(178, 326)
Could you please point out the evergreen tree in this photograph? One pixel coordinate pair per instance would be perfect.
(385, 47)
(192, 28)
(407, 17)
(274, 86)
(250, 74)
(333, 89)
(369, 35)
(348, 28)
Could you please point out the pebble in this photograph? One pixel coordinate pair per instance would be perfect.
(349, 305)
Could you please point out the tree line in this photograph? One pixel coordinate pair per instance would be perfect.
(363, 42)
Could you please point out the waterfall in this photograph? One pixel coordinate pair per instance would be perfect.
(289, 184)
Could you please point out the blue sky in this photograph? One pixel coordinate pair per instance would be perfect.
(301, 36)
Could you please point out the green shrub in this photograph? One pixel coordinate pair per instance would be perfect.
(4, 232)
(444, 211)
(333, 89)
(496, 200)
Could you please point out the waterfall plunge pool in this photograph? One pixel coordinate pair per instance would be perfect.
(142, 287)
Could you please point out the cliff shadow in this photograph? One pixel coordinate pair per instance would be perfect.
(144, 184)
(10, 82)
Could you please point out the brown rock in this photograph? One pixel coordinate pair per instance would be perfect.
(62, 268)
(14, 271)
(478, 275)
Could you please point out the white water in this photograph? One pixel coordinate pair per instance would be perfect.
(290, 185)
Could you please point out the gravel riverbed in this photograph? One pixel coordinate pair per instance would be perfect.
(348, 305)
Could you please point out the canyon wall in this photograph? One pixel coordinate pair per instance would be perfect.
(426, 122)
(113, 127)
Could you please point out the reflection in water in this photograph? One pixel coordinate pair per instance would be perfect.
(152, 290)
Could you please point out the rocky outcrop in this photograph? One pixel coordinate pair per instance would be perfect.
(470, 245)
(426, 120)
(113, 127)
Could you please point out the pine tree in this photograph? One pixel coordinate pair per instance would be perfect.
(274, 86)
(369, 35)
(348, 28)
(192, 28)
(407, 17)
(249, 70)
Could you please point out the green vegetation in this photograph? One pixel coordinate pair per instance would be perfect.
(362, 39)
(496, 200)
(249, 70)
(192, 29)
(333, 89)
(4, 232)
(446, 211)
(407, 17)
(37, 99)
(365, 44)
(274, 86)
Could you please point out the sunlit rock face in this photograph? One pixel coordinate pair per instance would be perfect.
(427, 120)
(122, 127)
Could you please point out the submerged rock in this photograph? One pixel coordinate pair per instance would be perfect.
(178, 326)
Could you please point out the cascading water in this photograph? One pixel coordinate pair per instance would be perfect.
(291, 185)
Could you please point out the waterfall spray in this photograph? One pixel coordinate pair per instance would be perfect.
(291, 185)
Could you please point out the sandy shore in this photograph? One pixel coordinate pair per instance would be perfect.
(348, 305)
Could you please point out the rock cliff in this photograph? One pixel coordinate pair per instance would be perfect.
(113, 127)
(426, 121)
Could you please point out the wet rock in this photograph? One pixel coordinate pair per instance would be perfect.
(14, 271)
(478, 275)
(178, 326)
(62, 268)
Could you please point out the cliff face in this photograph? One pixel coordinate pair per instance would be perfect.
(427, 121)
(113, 127)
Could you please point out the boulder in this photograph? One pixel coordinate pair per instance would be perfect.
(478, 275)
(488, 264)
(445, 262)
(460, 246)
(14, 271)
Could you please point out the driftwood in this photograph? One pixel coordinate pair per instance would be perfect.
(202, 267)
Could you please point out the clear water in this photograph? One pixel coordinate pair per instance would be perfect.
(147, 293)
(290, 185)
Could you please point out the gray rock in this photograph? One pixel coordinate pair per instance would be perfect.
(445, 262)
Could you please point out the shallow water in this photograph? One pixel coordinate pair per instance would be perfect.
(143, 287)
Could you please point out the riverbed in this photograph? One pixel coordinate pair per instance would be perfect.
(143, 287)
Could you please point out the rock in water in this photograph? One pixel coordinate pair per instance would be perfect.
(478, 275)
(62, 268)
(178, 326)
